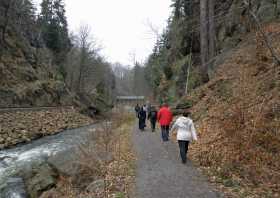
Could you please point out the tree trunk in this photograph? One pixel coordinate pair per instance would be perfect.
(212, 32)
(204, 48)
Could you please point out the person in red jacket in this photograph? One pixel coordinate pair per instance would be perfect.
(164, 118)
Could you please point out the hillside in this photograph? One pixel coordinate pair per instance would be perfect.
(41, 66)
(27, 76)
(178, 49)
(29, 73)
(238, 115)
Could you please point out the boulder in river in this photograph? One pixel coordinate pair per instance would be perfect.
(41, 179)
(15, 189)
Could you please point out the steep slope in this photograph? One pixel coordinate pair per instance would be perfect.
(27, 76)
(238, 119)
(178, 46)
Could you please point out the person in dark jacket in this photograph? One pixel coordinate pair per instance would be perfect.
(152, 116)
(142, 119)
(137, 109)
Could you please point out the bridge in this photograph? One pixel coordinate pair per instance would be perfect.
(130, 100)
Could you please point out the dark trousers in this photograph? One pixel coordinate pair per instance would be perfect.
(184, 146)
(165, 133)
(142, 123)
(153, 124)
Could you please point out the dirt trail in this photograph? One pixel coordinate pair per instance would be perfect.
(160, 173)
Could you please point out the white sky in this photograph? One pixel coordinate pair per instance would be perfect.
(120, 25)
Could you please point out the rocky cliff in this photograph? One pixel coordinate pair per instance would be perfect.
(28, 77)
(233, 21)
(167, 67)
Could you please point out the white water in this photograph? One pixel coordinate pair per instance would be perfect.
(57, 150)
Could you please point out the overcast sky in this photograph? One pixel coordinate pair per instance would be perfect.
(120, 26)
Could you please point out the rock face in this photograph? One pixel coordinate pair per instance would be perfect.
(24, 83)
(28, 75)
(237, 22)
(233, 24)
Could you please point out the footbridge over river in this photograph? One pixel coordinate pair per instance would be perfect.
(130, 100)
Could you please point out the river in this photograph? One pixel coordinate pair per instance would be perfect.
(20, 167)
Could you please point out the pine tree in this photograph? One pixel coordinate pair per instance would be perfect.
(177, 4)
(7, 10)
(26, 18)
(16, 15)
(54, 26)
(46, 12)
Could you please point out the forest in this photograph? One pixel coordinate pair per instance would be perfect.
(52, 65)
(217, 60)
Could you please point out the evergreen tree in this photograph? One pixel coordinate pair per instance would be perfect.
(54, 27)
(177, 4)
(46, 13)
(17, 16)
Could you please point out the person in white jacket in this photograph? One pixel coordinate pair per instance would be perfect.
(185, 134)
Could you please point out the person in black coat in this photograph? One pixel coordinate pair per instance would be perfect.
(152, 116)
(137, 109)
(142, 119)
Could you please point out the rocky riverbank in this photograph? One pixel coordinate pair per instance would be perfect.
(32, 168)
(69, 161)
(23, 126)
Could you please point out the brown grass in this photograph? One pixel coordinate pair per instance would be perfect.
(108, 161)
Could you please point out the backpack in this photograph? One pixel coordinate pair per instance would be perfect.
(153, 114)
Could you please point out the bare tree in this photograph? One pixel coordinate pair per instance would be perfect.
(86, 50)
(153, 30)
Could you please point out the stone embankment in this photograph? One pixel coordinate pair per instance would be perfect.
(23, 126)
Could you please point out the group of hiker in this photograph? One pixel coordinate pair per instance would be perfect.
(146, 112)
(184, 125)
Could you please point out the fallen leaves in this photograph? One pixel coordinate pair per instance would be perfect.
(238, 146)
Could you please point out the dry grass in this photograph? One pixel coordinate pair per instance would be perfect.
(239, 133)
(106, 167)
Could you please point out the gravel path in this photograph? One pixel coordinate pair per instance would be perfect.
(160, 173)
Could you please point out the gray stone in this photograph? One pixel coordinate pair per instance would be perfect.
(96, 186)
(43, 178)
(15, 188)
(267, 11)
